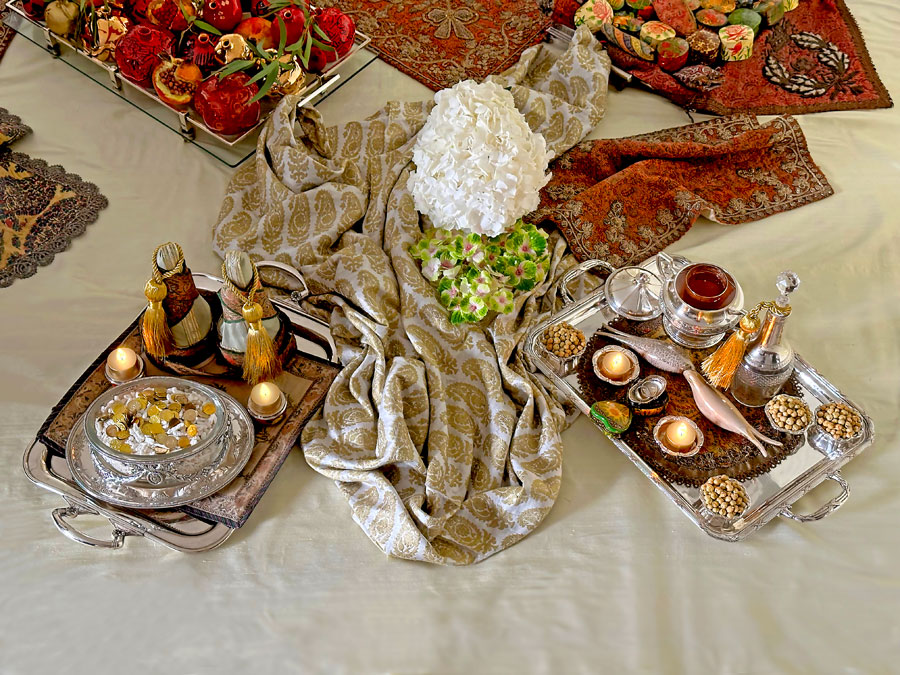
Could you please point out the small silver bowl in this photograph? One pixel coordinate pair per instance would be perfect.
(776, 426)
(715, 514)
(158, 470)
(660, 429)
(832, 447)
(630, 355)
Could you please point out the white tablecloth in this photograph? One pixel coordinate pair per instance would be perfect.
(615, 579)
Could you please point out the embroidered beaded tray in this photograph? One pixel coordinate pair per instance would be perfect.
(773, 485)
(208, 522)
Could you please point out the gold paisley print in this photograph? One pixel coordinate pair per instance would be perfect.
(446, 448)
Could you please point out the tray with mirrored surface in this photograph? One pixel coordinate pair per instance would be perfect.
(231, 150)
(772, 493)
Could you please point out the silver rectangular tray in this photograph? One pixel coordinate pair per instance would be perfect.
(171, 528)
(231, 149)
(771, 494)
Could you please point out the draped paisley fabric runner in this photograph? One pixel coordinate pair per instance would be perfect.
(441, 42)
(446, 447)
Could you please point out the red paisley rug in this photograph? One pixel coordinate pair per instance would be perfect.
(441, 42)
(623, 200)
(813, 60)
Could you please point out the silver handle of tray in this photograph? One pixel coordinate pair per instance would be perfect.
(72, 511)
(577, 271)
(830, 507)
(296, 296)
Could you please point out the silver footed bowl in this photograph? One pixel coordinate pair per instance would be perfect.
(176, 467)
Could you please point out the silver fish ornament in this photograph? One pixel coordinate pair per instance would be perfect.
(657, 353)
(712, 403)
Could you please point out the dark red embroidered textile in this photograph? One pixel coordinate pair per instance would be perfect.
(441, 42)
(6, 33)
(813, 60)
(623, 200)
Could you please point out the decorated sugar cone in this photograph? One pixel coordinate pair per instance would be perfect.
(252, 334)
(178, 321)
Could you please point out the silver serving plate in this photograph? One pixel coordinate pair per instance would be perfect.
(173, 529)
(100, 482)
(771, 494)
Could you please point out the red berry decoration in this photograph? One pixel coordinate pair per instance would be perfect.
(175, 82)
(138, 51)
(340, 29)
(294, 21)
(225, 104)
(222, 14)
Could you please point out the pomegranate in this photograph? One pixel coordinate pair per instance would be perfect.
(170, 14)
(294, 22)
(175, 81)
(340, 29)
(34, 8)
(224, 104)
(257, 29)
(222, 14)
(139, 50)
(201, 49)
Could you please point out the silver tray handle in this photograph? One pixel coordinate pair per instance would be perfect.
(577, 271)
(73, 511)
(296, 296)
(830, 507)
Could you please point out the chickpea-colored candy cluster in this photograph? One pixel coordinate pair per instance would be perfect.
(724, 496)
(788, 413)
(564, 340)
(839, 420)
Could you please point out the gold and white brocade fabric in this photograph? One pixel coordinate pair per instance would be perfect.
(447, 449)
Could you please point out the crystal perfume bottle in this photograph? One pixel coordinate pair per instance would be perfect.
(769, 360)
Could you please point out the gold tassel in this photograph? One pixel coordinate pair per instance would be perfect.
(721, 366)
(154, 326)
(260, 362)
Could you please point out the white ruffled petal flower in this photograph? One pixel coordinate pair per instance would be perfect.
(479, 167)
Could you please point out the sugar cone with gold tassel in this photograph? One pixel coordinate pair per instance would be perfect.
(260, 361)
(721, 366)
(155, 330)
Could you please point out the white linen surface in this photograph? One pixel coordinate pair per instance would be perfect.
(615, 579)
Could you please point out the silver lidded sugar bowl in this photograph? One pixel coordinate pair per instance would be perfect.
(179, 466)
(701, 302)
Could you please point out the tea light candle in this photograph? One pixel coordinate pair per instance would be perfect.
(266, 398)
(615, 365)
(680, 436)
(123, 365)
(267, 402)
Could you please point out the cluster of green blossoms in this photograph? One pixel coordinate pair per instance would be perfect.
(476, 274)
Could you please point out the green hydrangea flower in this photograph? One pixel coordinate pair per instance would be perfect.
(475, 274)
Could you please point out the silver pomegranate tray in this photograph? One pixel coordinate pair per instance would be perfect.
(174, 529)
(230, 149)
(771, 494)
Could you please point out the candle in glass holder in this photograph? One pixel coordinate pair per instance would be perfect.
(123, 365)
(680, 436)
(266, 401)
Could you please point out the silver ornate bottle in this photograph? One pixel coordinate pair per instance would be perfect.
(769, 360)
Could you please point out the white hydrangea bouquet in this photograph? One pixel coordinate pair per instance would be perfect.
(479, 169)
